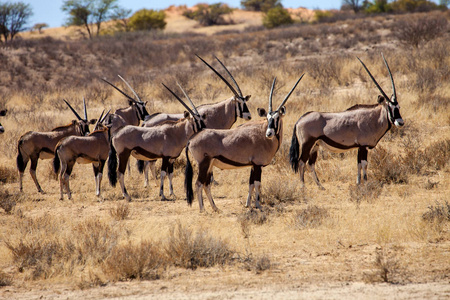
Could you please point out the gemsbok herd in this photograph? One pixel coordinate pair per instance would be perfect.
(206, 135)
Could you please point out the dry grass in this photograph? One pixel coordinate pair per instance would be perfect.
(313, 237)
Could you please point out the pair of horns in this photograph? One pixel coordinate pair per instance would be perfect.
(75, 112)
(238, 93)
(101, 119)
(123, 93)
(287, 96)
(394, 96)
(195, 112)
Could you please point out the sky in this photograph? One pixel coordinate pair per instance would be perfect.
(49, 11)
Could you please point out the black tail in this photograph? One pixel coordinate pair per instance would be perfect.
(56, 162)
(189, 173)
(141, 166)
(19, 161)
(294, 151)
(112, 165)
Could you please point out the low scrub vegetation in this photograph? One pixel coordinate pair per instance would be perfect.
(311, 217)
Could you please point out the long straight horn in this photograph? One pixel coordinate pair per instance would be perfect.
(186, 95)
(104, 117)
(394, 98)
(181, 101)
(231, 76)
(99, 120)
(129, 86)
(73, 110)
(221, 77)
(373, 79)
(271, 94)
(122, 92)
(85, 109)
(288, 95)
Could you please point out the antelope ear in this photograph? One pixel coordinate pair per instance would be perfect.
(262, 112)
(3, 112)
(186, 114)
(282, 110)
(247, 97)
(380, 99)
(93, 121)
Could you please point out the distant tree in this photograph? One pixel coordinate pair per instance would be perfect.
(13, 18)
(39, 26)
(147, 19)
(413, 5)
(208, 15)
(276, 17)
(355, 5)
(378, 6)
(121, 15)
(88, 13)
(260, 5)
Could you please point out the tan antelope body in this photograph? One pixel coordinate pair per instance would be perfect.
(34, 145)
(253, 144)
(360, 126)
(164, 141)
(221, 115)
(2, 114)
(93, 148)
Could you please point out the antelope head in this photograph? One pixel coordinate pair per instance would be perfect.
(274, 117)
(241, 101)
(199, 124)
(139, 104)
(391, 104)
(83, 123)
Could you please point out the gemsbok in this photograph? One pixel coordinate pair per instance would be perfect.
(35, 145)
(360, 126)
(220, 115)
(136, 111)
(2, 114)
(253, 144)
(93, 148)
(164, 141)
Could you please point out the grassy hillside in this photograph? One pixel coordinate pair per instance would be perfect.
(394, 229)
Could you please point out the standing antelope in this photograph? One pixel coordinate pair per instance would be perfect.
(165, 141)
(220, 115)
(253, 144)
(41, 145)
(136, 110)
(93, 148)
(2, 113)
(360, 126)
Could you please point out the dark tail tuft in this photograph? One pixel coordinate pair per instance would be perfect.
(189, 173)
(19, 161)
(294, 151)
(141, 166)
(112, 165)
(56, 162)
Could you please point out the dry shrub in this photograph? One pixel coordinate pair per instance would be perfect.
(387, 268)
(438, 213)
(387, 167)
(144, 261)
(310, 217)
(7, 174)
(188, 250)
(437, 154)
(120, 212)
(279, 190)
(257, 264)
(5, 279)
(8, 201)
(367, 191)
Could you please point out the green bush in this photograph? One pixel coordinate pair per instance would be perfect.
(208, 15)
(147, 19)
(379, 6)
(276, 17)
(260, 5)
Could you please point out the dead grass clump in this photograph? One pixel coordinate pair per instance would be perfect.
(387, 268)
(250, 217)
(5, 279)
(7, 174)
(279, 190)
(437, 154)
(188, 250)
(311, 217)
(8, 201)
(257, 264)
(144, 261)
(368, 191)
(387, 167)
(438, 213)
(120, 212)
